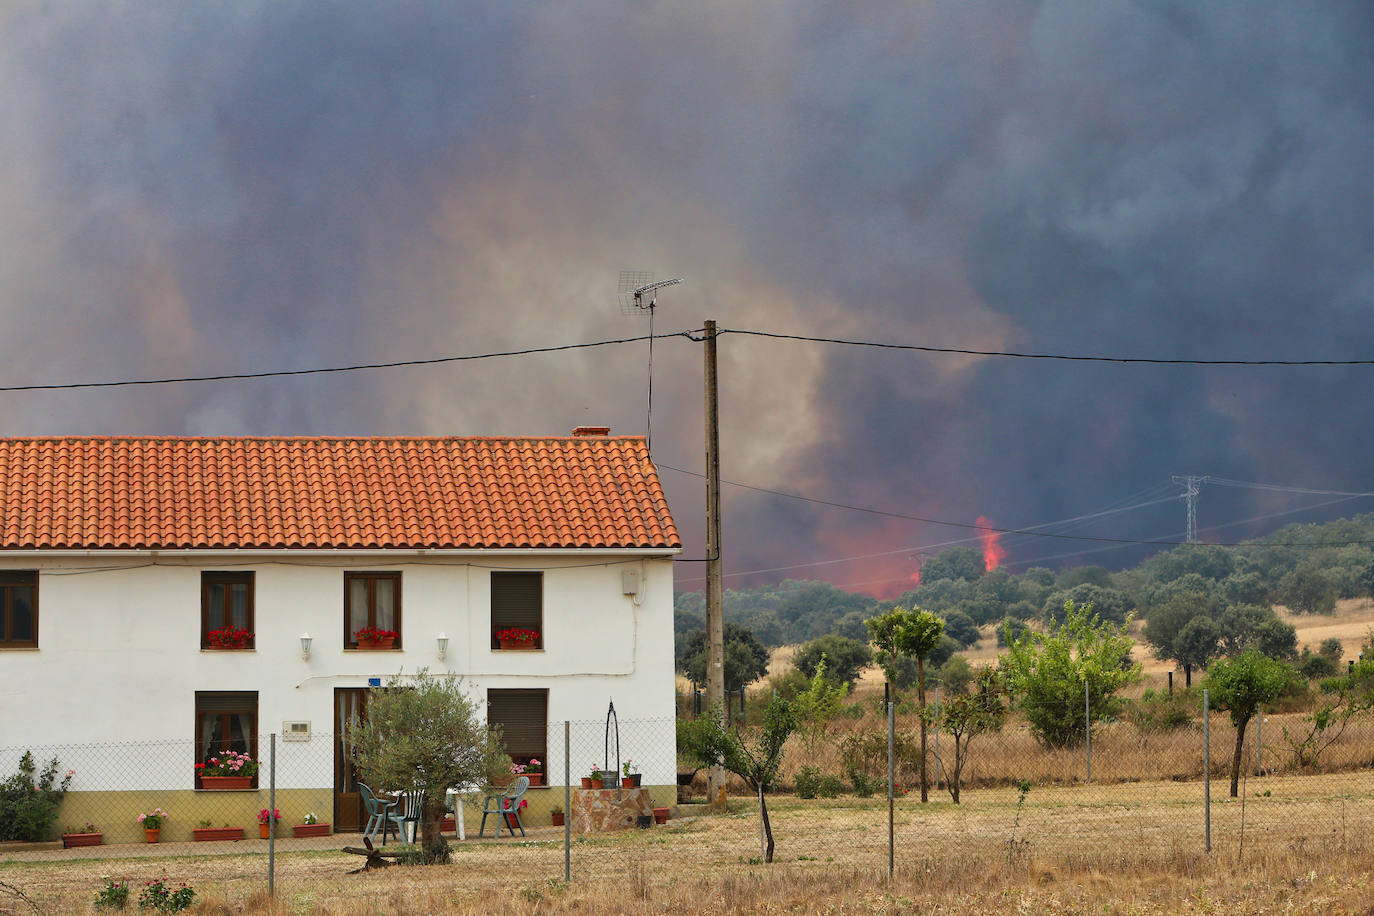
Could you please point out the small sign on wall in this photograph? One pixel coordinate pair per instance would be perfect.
(295, 731)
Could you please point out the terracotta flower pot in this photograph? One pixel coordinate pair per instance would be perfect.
(557, 818)
(388, 642)
(587, 782)
(448, 825)
(265, 831)
(515, 643)
(151, 834)
(629, 782)
(211, 834)
(220, 783)
(511, 822)
(73, 840)
(661, 815)
(299, 830)
(536, 779)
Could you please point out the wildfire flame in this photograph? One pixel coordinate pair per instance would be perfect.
(993, 552)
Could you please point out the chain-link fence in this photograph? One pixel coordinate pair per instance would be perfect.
(616, 800)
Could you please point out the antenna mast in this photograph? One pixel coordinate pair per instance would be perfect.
(635, 286)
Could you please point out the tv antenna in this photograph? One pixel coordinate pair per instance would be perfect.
(639, 294)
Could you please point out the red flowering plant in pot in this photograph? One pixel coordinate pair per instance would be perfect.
(230, 770)
(375, 638)
(267, 820)
(517, 638)
(229, 638)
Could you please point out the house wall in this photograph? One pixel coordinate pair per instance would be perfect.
(119, 657)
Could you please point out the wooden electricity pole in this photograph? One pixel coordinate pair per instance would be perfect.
(715, 592)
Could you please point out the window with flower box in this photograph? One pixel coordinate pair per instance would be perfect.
(226, 721)
(371, 599)
(517, 607)
(226, 610)
(19, 609)
(524, 719)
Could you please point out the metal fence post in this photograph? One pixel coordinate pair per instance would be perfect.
(567, 801)
(271, 821)
(891, 771)
(1207, 768)
(939, 765)
(1088, 728)
(1259, 740)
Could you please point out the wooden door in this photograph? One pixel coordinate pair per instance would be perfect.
(350, 703)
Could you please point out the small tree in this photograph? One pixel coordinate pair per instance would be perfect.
(964, 716)
(1047, 674)
(914, 633)
(818, 705)
(756, 762)
(746, 660)
(424, 733)
(845, 658)
(1240, 685)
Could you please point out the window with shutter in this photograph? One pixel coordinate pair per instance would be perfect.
(517, 603)
(226, 610)
(524, 719)
(19, 610)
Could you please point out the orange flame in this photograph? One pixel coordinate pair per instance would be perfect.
(993, 552)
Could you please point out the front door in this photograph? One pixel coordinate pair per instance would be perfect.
(350, 703)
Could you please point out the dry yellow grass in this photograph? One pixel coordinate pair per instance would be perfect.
(1124, 848)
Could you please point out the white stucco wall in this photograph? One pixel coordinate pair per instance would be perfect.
(119, 658)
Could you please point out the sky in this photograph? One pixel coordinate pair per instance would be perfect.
(193, 189)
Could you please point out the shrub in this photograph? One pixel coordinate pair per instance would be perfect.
(864, 785)
(156, 895)
(812, 783)
(1316, 666)
(1160, 712)
(28, 800)
(113, 896)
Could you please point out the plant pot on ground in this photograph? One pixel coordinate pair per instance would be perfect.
(557, 818)
(74, 840)
(661, 815)
(212, 834)
(303, 830)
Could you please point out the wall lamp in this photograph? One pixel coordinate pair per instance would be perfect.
(442, 643)
(305, 645)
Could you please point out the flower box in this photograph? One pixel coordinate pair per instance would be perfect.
(517, 638)
(536, 779)
(212, 834)
(300, 830)
(220, 783)
(386, 642)
(73, 840)
(448, 825)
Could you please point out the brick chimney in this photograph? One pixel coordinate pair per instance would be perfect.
(584, 432)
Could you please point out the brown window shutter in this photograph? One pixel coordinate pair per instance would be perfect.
(517, 600)
(524, 719)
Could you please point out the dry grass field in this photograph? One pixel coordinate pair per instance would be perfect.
(1134, 848)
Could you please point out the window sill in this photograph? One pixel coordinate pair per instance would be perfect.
(499, 649)
(18, 648)
(356, 649)
(213, 649)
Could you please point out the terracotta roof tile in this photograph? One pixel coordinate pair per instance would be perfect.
(148, 493)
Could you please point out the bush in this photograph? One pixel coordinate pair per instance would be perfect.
(864, 785)
(1315, 667)
(812, 783)
(113, 896)
(1160, 712)
(156, 895)
(28, 801)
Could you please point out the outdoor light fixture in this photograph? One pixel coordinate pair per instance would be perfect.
(305, 645)
(442, 643)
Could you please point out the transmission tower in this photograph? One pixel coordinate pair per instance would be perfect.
(1192, 485)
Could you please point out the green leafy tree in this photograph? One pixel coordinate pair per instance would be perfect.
(1239, 685)
(965, 716)
(1196, 645)
(911, 634)
(845, 658)
(961, 628)
(954, 563)
(1110, 604)
(1253, 626)
(1047, 673)
(1167, 622)
(746, 660)
(1081, 575)
(1343, 699)
(1308, 590)
(754, 758)
(425, 733)
(818, 705)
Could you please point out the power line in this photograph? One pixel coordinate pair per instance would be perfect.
(279, 373)
(1013, 354)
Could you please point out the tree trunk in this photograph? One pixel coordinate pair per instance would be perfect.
(921, 701)
(958, 770)
(431, 822)
(1235, 761)
(1187, 676)
(767, 827)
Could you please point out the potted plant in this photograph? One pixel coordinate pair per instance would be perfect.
(661, 815)
(534, 770)
(231, 770)
(629, 780)
(556, 815)
(87, 834)
(596, 776)
(511, 812)
(517, 638)
(152, 824)
(207, 834)
(311, 827)
(267, 820)
(229, 638)
(375, 638)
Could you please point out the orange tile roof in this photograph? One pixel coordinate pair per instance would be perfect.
(166, 493)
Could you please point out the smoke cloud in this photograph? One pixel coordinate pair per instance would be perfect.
(259, 185)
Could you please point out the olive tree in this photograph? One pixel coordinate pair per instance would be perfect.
(424, 733)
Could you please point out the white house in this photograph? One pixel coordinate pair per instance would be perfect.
(124, 561)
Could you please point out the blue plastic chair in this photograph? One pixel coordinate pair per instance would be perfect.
(507, 803)
(380, 813)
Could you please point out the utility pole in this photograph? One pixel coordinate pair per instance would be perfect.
(715, 590)
(1192, 485)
